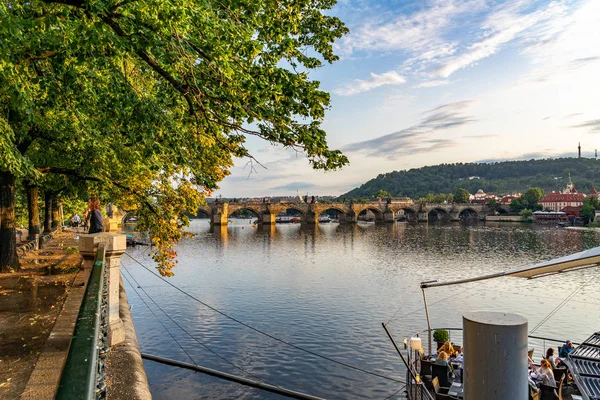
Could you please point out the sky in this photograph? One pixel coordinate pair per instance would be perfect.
(426, 82)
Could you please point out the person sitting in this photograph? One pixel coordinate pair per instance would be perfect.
(566, 349)
(446, 348)
(443, 360)
(554, 362)
(544, 372)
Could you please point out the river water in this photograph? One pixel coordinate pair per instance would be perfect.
(327, 289)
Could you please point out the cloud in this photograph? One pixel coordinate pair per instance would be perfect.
(594, 124)
(295, 186)
(503, 26)
(416, 139)
(359, 85)
(430, 84)
(419, 33)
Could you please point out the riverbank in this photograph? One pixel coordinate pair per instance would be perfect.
(30, 302)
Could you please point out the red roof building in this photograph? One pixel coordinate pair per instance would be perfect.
(556, 201)
(572, 211)
(593, 192)
(508, 199)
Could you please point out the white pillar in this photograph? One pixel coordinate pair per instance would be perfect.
(115, 245)
(495, 356)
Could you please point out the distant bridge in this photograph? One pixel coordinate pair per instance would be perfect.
(383, 211)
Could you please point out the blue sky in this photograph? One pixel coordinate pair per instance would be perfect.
(439, 81)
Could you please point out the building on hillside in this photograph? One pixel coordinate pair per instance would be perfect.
(482, 197)
(593, 192)
(506, 200)
(557, 201)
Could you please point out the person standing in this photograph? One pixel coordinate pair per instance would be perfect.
(96, 224)
(76, 220)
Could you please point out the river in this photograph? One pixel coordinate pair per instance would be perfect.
(328, 288)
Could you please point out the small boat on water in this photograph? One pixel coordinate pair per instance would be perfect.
(490, 360)
(287, 220)
(325, 219)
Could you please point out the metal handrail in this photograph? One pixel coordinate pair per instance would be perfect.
(80, 376)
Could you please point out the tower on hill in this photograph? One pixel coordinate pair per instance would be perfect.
(579, 148)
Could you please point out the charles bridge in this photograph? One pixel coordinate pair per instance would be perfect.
(348, 212)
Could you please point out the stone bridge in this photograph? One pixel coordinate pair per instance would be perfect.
(383, 211)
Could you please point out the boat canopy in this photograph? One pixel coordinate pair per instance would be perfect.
(583, 259)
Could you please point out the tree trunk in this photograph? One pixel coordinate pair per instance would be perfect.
(48, 198)
(34, 211)
(55, 215)
(8, 233)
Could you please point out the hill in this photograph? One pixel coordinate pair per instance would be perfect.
(499, 177)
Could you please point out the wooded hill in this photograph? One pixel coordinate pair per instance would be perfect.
(499, 178)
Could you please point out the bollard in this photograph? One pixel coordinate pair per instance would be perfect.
(115, 245)
(495, 356)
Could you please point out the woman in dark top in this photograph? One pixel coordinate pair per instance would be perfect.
(95, 216)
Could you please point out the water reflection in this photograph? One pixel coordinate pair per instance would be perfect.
(328, 288)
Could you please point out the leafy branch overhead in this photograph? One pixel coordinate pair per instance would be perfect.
(150, 100)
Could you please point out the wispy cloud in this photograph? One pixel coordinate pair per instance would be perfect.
(507, 23)
(434, 83)
(358, 85)
(415, 139)
(594, 125)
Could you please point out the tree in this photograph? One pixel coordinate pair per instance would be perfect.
(461, 196)
(526, 213)
(149, 114)
(382, 194)
(531, 198)
(517, 205)
(588, 210)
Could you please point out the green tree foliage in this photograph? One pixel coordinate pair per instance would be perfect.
(526, 213)
(588, 211)
(528, 201)
(498, 177)
(382, 194)
(461, 196)
(146, 103)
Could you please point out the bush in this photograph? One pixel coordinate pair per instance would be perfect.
(440, 335)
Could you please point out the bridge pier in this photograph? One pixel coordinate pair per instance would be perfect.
(388, 216)
(348, 218)
(266, 218)
(219, 219)
(454, 216)
(423, 216)
(310, 218)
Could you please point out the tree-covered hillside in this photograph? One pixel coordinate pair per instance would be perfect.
(500, 178)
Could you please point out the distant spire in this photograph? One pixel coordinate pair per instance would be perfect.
(579, 148)
(596, 155)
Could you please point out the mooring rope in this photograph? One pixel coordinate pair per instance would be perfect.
(350, 366)
(184, 330)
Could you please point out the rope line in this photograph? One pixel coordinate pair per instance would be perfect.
(558, 307)
(263, 332)
(163, 325)
(395, 393)
(192, 336)
(432, 304)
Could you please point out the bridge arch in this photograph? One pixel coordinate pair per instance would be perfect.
(410, 214)
(362, 213)
(254, 211)
(204, 212)
(438, 214)
(468, 214)
(339, 212)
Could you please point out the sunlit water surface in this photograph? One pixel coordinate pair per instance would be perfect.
(329, 288)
